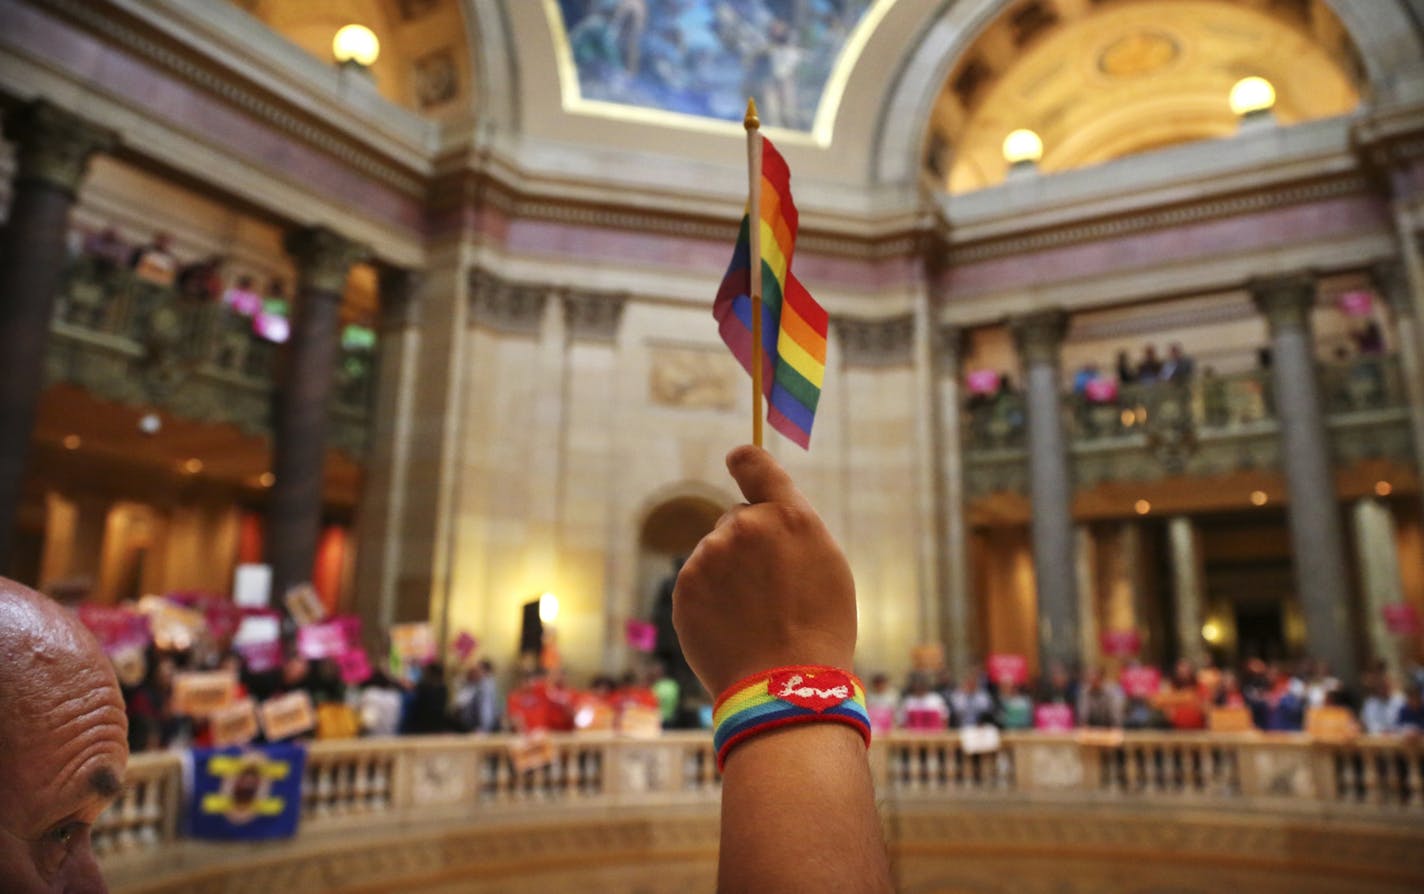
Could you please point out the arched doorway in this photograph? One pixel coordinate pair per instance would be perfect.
(670, 531)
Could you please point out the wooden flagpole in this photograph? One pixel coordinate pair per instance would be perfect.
(753, 125)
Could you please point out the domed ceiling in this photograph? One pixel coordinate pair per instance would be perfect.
(1101, 79)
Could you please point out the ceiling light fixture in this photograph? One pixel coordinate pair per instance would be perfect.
(1251, 95)
(1023, 147)
(356, 45)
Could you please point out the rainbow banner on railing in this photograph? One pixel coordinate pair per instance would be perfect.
(246, 794)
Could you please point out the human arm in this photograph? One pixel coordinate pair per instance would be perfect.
(770, 588)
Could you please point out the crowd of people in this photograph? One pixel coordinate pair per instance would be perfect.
(1273, 697)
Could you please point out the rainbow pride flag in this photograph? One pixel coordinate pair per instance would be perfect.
(793, 325)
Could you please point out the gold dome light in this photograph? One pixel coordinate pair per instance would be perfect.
(1251, 95)
(356, 43)
(1023, 146)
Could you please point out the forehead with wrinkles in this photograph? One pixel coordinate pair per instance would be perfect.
(49, 658)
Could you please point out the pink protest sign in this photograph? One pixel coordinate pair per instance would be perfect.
(882, 718)
(261, 657)
(1008, 669)
(642, 635)
(1053, 718)
(355, 667)
(115, 627)
(465, 645)
(1401, 619)
(924, 719)
(982, 381)
(1121, 643)
(329, 639)
(1356, 303)
(1101, 391)
(1140, 682)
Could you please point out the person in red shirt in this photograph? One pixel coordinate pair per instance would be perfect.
(539, 704)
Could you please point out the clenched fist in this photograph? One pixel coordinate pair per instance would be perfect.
(768, 587)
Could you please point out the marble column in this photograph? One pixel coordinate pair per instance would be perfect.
(953, 524)
(1317, 542)
(1188, 586)
(1085, 567)
(303, 389)
(1392, 281)
(1039, 337)
(1378, 551)
(52, 155)
(929, 562)
(383, 491)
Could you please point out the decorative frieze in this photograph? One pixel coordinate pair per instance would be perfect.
(593, 315)
(515, 308)
(52, 145)
(883, 342)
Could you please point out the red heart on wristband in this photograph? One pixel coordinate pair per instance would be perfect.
(814, 689)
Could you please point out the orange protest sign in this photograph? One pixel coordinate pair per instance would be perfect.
(1229, 720)
(199, 694)
(235, 724)
(286, 716)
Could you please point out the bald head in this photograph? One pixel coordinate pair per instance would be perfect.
(63, 744)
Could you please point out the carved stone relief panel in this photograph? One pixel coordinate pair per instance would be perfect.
(692, 378)
(884, 342)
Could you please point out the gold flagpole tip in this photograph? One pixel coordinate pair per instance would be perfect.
(752, 122)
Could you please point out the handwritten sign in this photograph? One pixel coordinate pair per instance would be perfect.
(639, 722)
(200, 693)
(530, 753)
(1355, 303)
(355, 667)
(413, 642)
(1120, 643)
(1101, 391)
(1229, 720)
(982, 381)
(1140, 682)
(286, 716)
(304, 605)
(115, 627)
(1005, 668)
(328, 639)
(252, 585)
(979, 739)
(1053, 718)
(235, 724)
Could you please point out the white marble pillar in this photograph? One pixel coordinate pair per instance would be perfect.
(1396, 286)
(1086, 550)
(953, 522)
(1380, 580)
(1039, 337)
(1188, 586)
(927, 554)
(1317, 541)
(383, 492)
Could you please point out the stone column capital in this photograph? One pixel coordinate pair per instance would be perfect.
(1286, 301)
(593, 315)
(52, 145)
(323, 258)
(1391, 281)
(1039, 335)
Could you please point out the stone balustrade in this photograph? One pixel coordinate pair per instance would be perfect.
(1211, 426)
(131, 341)
(397, 781)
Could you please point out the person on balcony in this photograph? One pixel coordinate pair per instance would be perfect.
(107, 250)
(63, 745)
(1100, 702)
(155, 263)
(970, 704)
(1150, 368)
(1126, 372)
(1178, 367)
(922, 708)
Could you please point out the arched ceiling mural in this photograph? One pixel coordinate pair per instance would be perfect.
(681, 59)
(1101, 79)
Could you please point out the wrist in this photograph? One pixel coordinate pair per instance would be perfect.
(789, 696)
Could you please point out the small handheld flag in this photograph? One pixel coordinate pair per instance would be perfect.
(770, 322)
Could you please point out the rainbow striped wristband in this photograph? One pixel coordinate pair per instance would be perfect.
(787, 695)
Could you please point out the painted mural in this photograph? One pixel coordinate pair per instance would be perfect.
(705, 57)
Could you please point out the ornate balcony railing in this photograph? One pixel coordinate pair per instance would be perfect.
(131, 341)
(392, 783)
(1213, 425)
